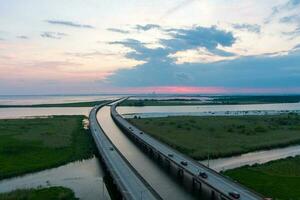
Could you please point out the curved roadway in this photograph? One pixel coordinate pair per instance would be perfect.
(166, 186)
(130, 184)
(216, 181)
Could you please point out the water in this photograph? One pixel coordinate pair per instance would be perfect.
(151, 172)
(85, 178)
(13, 113)
(51, 99)
(258, 157)
(207, 110)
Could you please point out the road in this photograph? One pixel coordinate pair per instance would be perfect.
(215, 180)
(130, 184)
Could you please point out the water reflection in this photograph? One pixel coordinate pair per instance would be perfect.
(258, 157)
(85, 178)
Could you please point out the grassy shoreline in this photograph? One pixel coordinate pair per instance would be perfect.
(278, 179)
(50, 193)
(76, 104)
(30, 145)
(223, 136)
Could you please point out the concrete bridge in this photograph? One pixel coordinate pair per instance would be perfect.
(129, 183)
(201, 178)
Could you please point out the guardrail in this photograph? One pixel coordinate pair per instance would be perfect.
(221, 187)
(129, 183)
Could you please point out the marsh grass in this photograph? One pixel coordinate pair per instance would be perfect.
(28, 145)
(277, 179)
(51, 193)
(223, 136)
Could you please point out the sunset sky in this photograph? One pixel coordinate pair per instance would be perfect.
(142, 46)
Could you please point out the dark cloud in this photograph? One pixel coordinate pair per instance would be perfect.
(209, 38)
(118, 30)
(141, 52)
(23, 37)
(248, 27)
(181, 39)
(53, 35)
(69, 23)
(146, 27)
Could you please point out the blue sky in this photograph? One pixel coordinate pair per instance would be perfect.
(91, 46)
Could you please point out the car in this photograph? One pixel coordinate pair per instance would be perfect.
(141, 132)
(170, 155)
(234, 194)
(111, 148)
(203, 175)
(184, 163)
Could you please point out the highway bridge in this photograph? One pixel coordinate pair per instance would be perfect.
(129, 183)
(201, 177)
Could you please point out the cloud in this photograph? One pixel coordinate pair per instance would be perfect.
(141, 53)
(146, 27)
(53, 35)
(290, 19)
(297, 47)
(118, 30)
(248, 27)
(287, 6)
(210, 38)
(161, 69)
(178, 7)
(69, 23)
(89, 54)
(292, 34)
(23, 37)
(250, 72)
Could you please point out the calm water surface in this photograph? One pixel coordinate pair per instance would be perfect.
(206, 110)
(258, 157)
(85, 178)
(51, 99)
(12, 113)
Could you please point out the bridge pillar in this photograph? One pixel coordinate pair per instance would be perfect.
(213, 195)
(168, 164)
(196, 186)
(180, 173)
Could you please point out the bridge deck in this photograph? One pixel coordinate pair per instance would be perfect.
(131, 185)
(214, 180)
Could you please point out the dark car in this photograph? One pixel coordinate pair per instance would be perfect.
(234, 194)
(170, 155)
(111, 148)
(203, 175)
(141, 132)
(184, 163)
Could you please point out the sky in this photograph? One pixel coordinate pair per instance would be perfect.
(142, 46)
